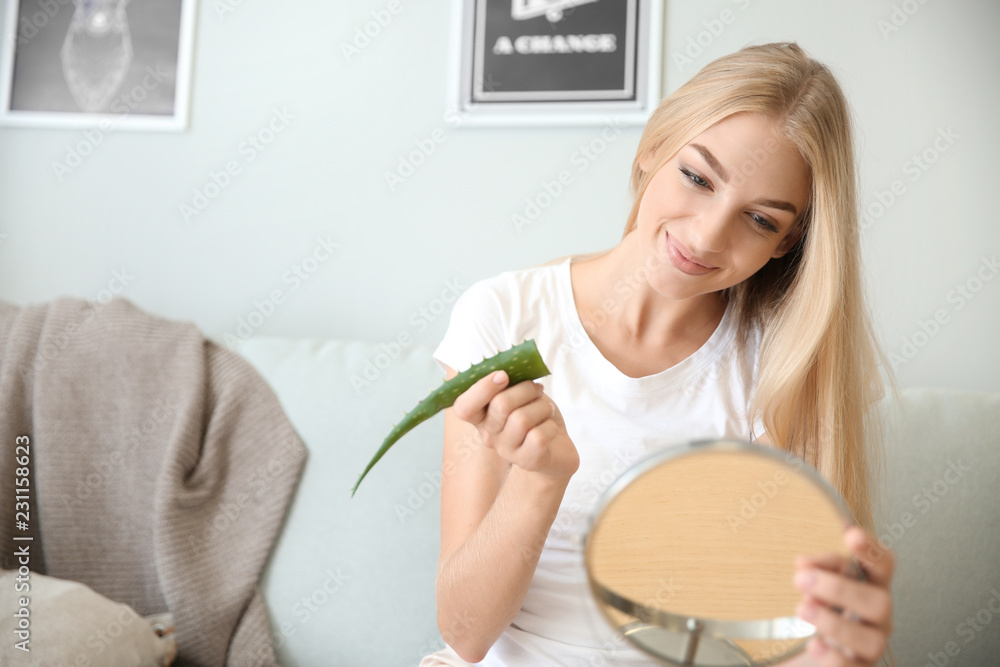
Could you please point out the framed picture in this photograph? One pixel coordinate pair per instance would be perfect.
(97, 63)
(555, 62)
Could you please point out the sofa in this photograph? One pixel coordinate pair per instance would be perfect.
(351, 579)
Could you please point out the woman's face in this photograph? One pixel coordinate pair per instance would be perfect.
(722, 207)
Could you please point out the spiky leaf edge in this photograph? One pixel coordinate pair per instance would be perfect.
(518, 369)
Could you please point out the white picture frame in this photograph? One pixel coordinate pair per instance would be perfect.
(466, 67)
(63, 68)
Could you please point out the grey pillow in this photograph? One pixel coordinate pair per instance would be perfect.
(68, 623)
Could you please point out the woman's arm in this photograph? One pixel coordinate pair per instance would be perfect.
(507, 461)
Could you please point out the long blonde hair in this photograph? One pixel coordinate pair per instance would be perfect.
(818, 381)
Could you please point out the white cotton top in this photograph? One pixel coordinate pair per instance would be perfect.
(613, 419)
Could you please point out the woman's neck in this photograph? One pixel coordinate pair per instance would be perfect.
(639, 330)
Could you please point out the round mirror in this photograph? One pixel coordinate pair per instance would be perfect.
(691, 553)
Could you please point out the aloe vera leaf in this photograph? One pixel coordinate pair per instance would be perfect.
(521, 362)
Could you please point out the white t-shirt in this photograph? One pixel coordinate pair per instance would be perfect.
(613, 419)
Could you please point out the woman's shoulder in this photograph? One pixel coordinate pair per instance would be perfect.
(493, 313)
(509, 284)
(514, 297)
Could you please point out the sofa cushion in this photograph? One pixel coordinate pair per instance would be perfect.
(65, 622)
(940, 515)
(351, 580)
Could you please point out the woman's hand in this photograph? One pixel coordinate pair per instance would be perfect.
(858, 635)
(521, 424)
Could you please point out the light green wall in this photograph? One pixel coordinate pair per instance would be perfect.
(402, 252)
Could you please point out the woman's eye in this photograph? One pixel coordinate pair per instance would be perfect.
(763, 222)
(695, 178)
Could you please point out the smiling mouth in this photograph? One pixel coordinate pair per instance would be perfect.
(684, 261)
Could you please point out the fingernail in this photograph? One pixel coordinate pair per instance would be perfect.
(498, 377)
(807, 612)
(805, 579)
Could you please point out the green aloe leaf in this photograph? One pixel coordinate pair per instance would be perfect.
(521, 362)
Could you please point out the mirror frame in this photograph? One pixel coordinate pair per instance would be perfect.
(691, 630)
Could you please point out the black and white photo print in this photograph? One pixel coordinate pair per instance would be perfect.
(93, 62)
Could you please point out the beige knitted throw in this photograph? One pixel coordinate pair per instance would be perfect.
(162, 468)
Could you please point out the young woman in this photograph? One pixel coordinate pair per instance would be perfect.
(732, 307)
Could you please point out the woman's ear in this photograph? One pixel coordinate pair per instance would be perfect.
(787, 243)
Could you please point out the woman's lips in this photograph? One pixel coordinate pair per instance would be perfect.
(682, 259)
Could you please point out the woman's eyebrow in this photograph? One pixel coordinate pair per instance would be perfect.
(712, 162)
(776, 203)
(717, 167)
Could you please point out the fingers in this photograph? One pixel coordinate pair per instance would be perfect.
(498, 410)
(510, 429)
(830, 578)
(828, 654)
(857, 643)
(833, 562)
(506, 408)
(878, 563)
(470, 406)
(869, 602)
(853, 617)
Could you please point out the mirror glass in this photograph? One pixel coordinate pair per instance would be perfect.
(690, 554)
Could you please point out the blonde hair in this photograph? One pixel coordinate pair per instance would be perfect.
(818, 381)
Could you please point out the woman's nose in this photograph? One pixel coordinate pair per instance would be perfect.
(712, 230)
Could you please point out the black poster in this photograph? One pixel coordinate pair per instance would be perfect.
(554, 51)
